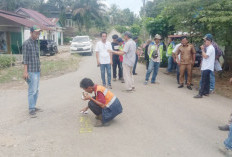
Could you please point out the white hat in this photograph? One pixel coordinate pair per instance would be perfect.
(157, 36)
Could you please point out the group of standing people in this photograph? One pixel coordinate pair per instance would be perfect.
(122, 55)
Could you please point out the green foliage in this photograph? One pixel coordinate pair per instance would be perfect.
(6, 61)
(159, 25)
(121, 29)
(164, 62)
(123, 17)
(135, 30)
(67, 40)
(88, 13)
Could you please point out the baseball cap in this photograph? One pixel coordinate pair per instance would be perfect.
(119, 40)
(35, 28)
(208, 37)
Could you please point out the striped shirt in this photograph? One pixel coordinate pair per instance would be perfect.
(31, 55)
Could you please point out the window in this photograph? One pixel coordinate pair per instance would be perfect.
(3, 44)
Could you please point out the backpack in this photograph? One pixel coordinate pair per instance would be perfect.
(218, 51)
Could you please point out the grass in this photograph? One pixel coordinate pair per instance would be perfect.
(54, 67)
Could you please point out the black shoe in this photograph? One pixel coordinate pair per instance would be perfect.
(224, 128)
(135, 74)
(38, 110)
(189, 87)
(181, 86)
(198, 96)
(32, 113)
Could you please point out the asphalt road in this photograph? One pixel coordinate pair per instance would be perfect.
(157, 121)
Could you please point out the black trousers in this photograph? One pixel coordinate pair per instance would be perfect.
(97, 110)
(135, 65)
(147, 63)
(116, 63)
(205, 85)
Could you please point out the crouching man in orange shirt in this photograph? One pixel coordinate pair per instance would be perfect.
(105, 105)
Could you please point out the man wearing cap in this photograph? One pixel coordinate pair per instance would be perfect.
(129, 51)
(207, 66)
(155, 55)
(217, 66)
(31, 63)
(116, 61)
(187, 59)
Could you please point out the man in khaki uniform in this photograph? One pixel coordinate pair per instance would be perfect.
(187, 59)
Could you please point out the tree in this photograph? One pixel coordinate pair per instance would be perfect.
(217, 18)
(87, 13)
(12, 5)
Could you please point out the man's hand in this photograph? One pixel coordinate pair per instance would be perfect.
(87, 96)
(111, 62)
(25, 75)
(98, 63)
(202, 47)
(84, 109)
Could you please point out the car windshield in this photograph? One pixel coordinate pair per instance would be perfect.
(81, 39)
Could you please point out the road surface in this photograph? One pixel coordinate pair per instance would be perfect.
(157, 121)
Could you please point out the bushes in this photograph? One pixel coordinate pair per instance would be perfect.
(164, 62)
(6, 61)
(67, 40)
(134, 29)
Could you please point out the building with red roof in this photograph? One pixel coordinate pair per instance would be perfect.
(15, 29)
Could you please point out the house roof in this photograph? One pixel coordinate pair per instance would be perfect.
(38, 17)
(54, 20)
(20, 19)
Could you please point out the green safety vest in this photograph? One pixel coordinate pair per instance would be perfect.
(121, 48)
(170, 49)
(153, 47)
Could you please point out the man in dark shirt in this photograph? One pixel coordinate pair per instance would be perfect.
(116, 60)
(31, 63)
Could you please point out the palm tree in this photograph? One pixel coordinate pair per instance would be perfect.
(87, 12)
(12, 5)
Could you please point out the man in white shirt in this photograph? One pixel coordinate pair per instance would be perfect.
(207, 66)
(104, 58)
(129, 51)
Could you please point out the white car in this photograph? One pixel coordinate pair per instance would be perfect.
(81, 44)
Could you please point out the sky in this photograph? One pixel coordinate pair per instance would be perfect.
(133, 5)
